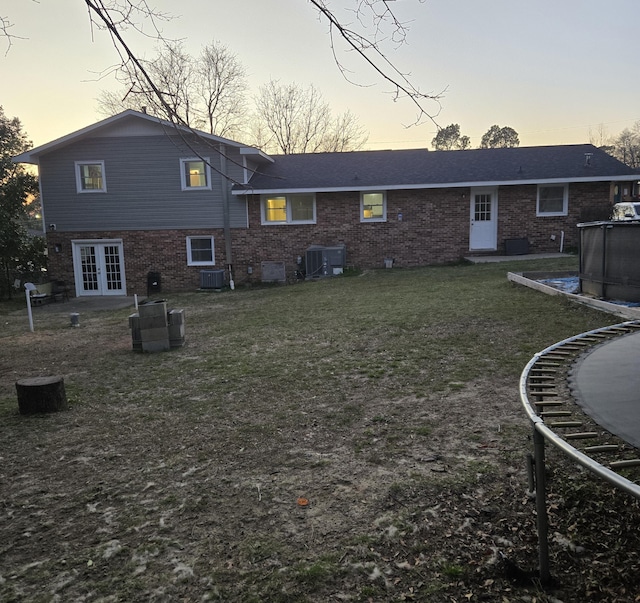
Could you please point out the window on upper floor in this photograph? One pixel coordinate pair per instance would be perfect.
(552, 200)
(373, 207)
(90, 177)
(298, 208)
(200, 251)
(195, 174)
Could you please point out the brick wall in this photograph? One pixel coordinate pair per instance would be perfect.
(423, 227)
(517, 215)
(163, 251)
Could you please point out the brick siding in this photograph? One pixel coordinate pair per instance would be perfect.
(423, 227)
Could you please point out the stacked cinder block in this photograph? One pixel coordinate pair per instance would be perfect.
(175, 320)
(136, 337)
(153, 329)
(154, 333)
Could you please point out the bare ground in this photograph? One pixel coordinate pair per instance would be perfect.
(150, 489)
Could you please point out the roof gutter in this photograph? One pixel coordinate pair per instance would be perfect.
(469, 184)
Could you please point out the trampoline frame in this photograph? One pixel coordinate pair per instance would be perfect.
(542, 432)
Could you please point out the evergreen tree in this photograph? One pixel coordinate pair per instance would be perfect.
(19, 252)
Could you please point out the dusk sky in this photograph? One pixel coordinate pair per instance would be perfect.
(550, 69)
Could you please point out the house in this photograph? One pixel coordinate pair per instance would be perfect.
(133, 202)
(133, 198)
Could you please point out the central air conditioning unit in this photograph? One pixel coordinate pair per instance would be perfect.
(211, 279)
(323, 261)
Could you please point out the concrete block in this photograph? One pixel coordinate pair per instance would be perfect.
(176, 335)
(156, 308)
(156, 346)
(136, 337)
(175, 317)
(154, 334)
(153, 322)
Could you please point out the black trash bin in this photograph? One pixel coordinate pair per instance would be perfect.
(154, 284)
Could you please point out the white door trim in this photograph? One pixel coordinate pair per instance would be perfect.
(483, 225)
(102, 277)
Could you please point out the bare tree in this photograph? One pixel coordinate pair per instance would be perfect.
(221, 88)
(300, 121)
(345, 134)
(626, 146)
(207, 92)
(599, 137)
(367, 28)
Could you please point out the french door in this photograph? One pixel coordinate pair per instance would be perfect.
(98, 267)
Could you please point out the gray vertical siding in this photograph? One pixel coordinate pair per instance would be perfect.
(143, 187)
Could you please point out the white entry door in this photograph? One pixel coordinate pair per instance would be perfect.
(98, 267)
(483, 230)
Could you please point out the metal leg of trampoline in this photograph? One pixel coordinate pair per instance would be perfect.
(541, 507)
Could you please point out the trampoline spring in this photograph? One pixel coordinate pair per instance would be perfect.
(555, 413)
(583, 435)
(548, 402)
(620, 329)
(565, 424)
(625, 463)
(602, 448)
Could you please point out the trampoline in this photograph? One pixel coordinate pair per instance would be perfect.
(606, 384)
(582, 395)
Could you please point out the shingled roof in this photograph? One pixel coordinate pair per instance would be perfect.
(420, 168)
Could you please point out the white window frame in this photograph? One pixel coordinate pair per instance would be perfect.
(191, 261)
(289, 220)
(183, 176)
(565, 200)
(79, 188)
(384, 206)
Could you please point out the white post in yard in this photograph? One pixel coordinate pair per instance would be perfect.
(28, 294)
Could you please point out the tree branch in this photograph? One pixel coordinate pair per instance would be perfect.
(369, 49)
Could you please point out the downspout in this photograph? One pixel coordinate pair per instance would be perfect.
(226, 214)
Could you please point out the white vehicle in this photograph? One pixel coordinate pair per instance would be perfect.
(626, 211)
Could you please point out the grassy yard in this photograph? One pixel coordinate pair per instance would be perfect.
(387, 400)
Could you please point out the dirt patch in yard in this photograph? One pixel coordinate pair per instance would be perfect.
(179, 476)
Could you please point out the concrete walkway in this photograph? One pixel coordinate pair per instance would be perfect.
(87, 304)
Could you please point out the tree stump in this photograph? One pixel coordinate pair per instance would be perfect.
(41, 394)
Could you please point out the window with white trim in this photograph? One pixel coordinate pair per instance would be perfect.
(552, 200)
(200, 251)
(195, 174)
(373, 207)
(296, 208)
(90, 177)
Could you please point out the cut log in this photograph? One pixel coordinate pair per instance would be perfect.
(41, 394)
